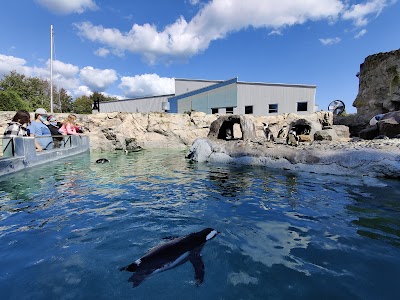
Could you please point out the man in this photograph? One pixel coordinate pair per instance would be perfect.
(39, 129)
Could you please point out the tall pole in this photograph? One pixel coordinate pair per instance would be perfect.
(51, 68)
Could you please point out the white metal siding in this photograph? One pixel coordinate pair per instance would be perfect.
(224, 96)
(286, 96)
(143, 105)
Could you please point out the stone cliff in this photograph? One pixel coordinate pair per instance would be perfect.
(379, 85)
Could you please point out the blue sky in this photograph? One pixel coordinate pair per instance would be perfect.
(135, 48)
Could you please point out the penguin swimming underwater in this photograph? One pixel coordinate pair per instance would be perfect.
(102, 161)
(172, 254)
(268, 132)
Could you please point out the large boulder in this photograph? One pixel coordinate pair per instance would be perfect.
(389, 124)
(379, 86)
(223, 128)
(326, 135)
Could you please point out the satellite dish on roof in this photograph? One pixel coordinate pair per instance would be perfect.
(336, 107)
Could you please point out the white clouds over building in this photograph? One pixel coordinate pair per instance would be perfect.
(146, 85)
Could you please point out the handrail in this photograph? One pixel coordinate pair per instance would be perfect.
(10, 143)
(9, 147)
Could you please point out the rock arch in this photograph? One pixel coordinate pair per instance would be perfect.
(222, 128)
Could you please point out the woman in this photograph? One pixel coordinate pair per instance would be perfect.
(17, 126)
(68, 126)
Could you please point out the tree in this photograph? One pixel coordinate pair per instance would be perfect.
(101, 97)
(83, 105)
(32, 90)
(10, 100)
(63, 101)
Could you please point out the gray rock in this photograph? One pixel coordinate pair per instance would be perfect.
(389, 124)
(326, 135)
(369, 133)
(350, 159)
(342, 131)
(379, 90)
(223, 128)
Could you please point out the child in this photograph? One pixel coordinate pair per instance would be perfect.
(68, 126)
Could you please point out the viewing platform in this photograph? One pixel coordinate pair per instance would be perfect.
(20, 153)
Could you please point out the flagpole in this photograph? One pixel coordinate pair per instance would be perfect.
(51, 68)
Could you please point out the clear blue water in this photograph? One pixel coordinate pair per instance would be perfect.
(67, 228)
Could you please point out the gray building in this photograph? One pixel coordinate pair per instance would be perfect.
(143, 105)
(224, 97)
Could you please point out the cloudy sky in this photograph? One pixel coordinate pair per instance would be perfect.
(136, 48)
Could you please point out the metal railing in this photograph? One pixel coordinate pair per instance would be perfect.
(8, 145)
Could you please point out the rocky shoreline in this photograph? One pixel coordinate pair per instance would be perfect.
(340, 156)
(378, 158)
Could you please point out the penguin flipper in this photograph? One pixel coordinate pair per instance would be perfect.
(137, 278)
(198, 266)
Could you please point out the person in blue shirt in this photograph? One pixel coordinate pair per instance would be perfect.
(38, 129)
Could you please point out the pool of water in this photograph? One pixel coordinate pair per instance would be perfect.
(67, 228)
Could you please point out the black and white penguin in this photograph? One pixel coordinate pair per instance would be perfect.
(292, 138)
(267, 132)
(171, 254)
(102, 161)
(228, 134)
(282, 132)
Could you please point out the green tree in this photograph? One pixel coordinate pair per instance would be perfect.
(83, 105)
(101, 97)
(32, 90)
(62, 102)
(10, 100)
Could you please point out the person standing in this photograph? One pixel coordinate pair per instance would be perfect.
(39, 129)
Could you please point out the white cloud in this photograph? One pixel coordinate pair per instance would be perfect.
(214, 21)
(68, 7)
(10, 63)
(66, 70)
(82, 90)
(359, 13)
(146, 85)
(330, 41)
(360, 34)
(97, 79)
(102, 52)
(275, 32)
(119, 97)
(64, 75)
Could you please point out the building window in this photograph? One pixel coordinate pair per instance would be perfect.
(214, 110)
(248, 110)
(302, 106)
(272, 108)
(229, 110)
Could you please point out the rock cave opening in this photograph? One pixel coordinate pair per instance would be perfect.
(302, 129)
(230, 130)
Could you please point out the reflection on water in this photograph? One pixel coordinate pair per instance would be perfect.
(65, 229)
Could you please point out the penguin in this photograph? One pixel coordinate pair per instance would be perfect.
(102, 161)
(228, 134)
(282, 132)
(268, 132)
(292, 138)
(172, 254)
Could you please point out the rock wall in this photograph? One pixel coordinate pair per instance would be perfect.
(132, 131)
(379, 85)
